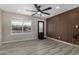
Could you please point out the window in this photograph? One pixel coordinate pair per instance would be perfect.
(26, 26)
(21, 26)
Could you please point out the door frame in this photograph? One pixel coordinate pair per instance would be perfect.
(38, 29)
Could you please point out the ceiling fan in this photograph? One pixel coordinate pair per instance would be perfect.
(39, 11)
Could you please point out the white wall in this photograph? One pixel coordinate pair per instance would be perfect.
(6, 33)
(0, 26)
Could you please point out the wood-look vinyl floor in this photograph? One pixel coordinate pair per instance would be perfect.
(38, 47)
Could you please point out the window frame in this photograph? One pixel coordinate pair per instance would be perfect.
(22, 27)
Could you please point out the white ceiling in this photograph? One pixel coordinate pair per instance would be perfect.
(21, 8)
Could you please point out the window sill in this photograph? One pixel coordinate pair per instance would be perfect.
(20, 33)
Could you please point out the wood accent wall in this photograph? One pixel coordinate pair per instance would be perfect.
(62, 26)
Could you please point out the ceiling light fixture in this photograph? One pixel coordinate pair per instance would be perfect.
(57, 7)
(39, 13)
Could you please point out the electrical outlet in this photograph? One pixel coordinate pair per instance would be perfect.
(59, 37)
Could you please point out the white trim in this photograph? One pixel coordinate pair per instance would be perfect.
(19, 40)
(0, 44)
(22, 19)
(62, 41)
(20, 33)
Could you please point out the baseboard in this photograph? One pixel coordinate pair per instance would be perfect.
(18, 40)
(62, 41)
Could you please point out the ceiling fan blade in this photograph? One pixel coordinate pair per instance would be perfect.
(34, 14)
(37, 7)
(47, 9)
(31, 10)
(46, 13)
